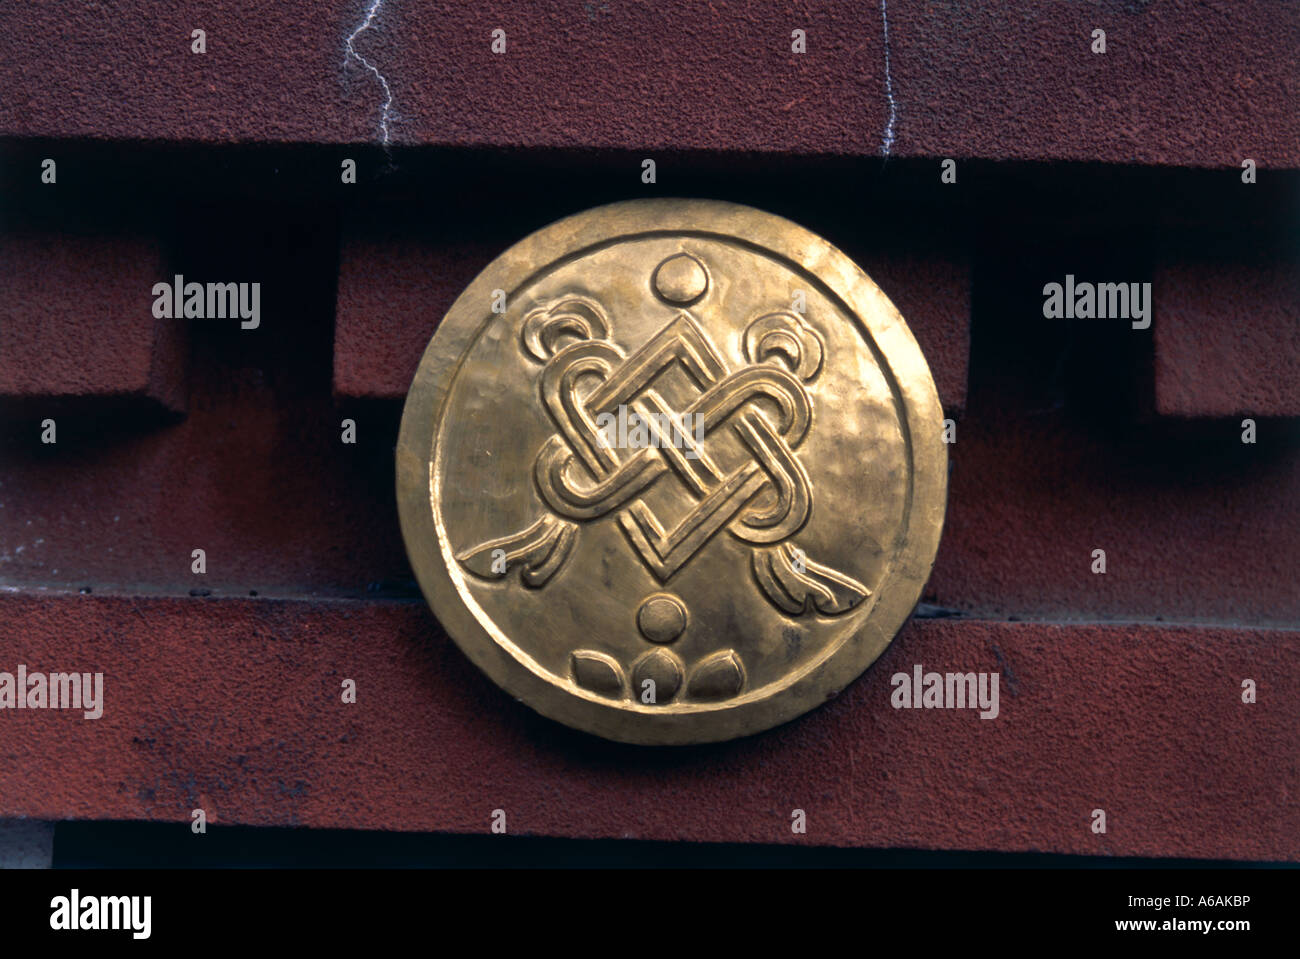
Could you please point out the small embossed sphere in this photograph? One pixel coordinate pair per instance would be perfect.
(681, 279)
(661, 618)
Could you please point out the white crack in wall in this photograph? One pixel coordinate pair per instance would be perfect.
(350, 53)
(887, 142)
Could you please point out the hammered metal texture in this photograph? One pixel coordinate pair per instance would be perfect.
(671, 471)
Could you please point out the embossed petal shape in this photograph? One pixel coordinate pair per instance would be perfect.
(598, 672)
(717, 677)
(664, 668)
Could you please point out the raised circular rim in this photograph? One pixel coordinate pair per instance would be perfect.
(920, 414)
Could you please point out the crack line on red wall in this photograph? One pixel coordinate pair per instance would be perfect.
(887, 142)
(352, 54)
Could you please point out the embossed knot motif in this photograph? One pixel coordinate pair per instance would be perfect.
(581, 477)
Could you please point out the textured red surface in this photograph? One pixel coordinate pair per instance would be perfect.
(234, 706)
(392, 295)
(256, 475)
(1203, 83)
(933, 293)
(1195, 526)
(233, 703)
(76, 321)
(1251, 315)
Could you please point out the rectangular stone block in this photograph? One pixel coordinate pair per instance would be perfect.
(1227, 339)
(77, 323)
(391, 297)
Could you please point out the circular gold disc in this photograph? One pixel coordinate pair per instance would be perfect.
(671, 471)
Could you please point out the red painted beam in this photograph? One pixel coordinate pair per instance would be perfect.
(1204, 83)
(234, 706)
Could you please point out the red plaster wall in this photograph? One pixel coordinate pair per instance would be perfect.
(71, 323)
(1183, 82)
(1120, 691)
(1145, 721)
(1249, 316)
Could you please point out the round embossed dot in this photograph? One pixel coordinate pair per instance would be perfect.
(681, 279)
(661, 619)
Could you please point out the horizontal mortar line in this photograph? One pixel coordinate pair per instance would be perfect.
(10, 139)
(334, 599)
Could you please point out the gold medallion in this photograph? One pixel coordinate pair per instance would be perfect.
(671, 471)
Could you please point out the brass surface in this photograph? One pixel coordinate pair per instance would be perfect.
(687, 485)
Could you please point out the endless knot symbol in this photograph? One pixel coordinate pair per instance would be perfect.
(582, 477)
